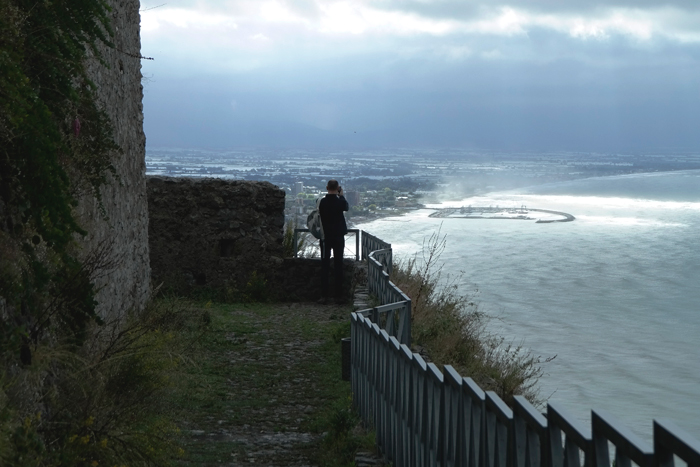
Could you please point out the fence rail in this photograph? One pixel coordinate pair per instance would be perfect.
(356, 232)
(371, 243)
(394, 313)
(427, 417)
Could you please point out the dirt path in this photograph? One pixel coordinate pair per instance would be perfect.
(268, 377)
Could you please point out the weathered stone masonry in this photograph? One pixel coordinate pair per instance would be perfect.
(213, 233)
(125, 285)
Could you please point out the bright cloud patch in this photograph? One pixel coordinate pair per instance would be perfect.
(509, 21)
(184, 19)
(629, 23)
(357, 18)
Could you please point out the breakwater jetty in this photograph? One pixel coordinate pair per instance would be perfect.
(496, 212)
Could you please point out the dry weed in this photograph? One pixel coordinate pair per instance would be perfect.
(450, 327)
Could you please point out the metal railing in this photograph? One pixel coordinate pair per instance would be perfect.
(394, 312)
(370, 244)
(425, 417)
(356, 232)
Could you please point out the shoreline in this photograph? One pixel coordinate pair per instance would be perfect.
(356, 220)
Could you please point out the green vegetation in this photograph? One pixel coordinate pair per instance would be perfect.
(55, 147)
(268, 371)
(58, 384)
(450, 327)
(102, 404)
(307, 245)
(303, 240)
(190, 383)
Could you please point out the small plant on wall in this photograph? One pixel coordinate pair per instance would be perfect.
(288, 240)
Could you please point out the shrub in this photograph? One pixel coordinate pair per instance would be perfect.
(304, 247)
(256, 289)
(452, 329)
(101, 404)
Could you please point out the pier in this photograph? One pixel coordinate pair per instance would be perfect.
(496, 212)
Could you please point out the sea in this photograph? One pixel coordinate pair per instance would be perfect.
(614, 295)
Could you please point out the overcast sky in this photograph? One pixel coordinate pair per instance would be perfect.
(584, 75)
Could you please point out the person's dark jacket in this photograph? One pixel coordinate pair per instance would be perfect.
(331, 209)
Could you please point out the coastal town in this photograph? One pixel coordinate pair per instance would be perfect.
(380, 183)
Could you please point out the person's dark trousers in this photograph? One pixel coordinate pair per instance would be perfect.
(337, 246)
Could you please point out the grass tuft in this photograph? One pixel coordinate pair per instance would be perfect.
(345, 436)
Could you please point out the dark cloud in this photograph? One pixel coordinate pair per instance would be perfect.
(543, 89)
(641, 100)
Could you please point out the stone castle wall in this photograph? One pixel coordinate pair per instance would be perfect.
(125, 283)
(213, 233)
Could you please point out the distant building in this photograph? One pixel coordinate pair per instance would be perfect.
(297, 188)
(353, 197)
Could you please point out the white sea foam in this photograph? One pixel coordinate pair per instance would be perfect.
(628, 221)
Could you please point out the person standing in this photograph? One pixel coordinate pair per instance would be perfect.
(331, 209)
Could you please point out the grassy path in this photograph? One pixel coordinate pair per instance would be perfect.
(265, 388)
